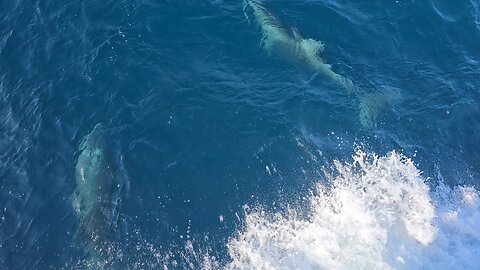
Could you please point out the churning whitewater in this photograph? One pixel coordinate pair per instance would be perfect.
(239, 135)
(374, 213)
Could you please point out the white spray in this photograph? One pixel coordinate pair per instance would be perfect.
(377, 213)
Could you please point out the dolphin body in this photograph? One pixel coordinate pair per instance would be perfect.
(97, 197)
(307, 52)
(304, 50)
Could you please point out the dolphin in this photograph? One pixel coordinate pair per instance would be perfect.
(293, 46)
(306, 51)
(97, 197)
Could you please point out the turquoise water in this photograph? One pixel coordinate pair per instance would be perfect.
(221, 135)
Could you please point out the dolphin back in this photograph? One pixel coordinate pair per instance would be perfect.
(98, 194)
(305, 51)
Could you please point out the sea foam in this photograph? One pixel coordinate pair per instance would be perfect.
(374, 213)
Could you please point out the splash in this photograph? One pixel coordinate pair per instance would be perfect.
(377, 213)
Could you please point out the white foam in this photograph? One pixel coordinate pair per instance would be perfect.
(374, 213)
(377, 213)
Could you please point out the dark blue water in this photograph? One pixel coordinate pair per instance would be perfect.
(207, 121)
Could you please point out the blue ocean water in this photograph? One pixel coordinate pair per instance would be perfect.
(235, 144)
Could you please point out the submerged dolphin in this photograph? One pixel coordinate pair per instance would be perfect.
(97, 197)
(307, 52)
(293, 46)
